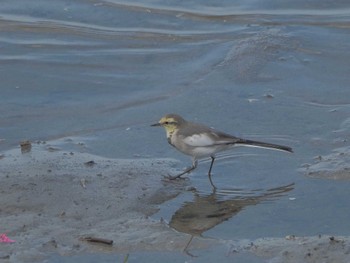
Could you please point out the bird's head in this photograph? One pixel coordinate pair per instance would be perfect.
(171, 122)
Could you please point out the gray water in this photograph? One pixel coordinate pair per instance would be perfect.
(103, 71)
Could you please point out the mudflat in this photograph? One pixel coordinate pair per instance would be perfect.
(55, 201)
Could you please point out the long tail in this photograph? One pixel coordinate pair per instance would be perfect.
(244, 142)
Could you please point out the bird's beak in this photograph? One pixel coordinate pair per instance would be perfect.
(156, 124)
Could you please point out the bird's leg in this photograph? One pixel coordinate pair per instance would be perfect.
(211, 164)
(186, 248)
(188, 170)
(209, 173)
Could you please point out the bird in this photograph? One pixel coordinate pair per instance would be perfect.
(200, 141)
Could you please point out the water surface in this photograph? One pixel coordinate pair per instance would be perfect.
(275, 71)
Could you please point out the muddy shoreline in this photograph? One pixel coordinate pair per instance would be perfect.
(51, 199)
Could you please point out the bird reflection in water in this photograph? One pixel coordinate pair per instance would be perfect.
(207, 211)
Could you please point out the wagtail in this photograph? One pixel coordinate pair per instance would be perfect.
(200, 141)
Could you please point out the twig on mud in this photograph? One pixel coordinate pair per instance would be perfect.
(98, 240)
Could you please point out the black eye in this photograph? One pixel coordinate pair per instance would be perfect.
(166, 122)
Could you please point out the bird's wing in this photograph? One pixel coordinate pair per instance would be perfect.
(199, 140)
(209, 138)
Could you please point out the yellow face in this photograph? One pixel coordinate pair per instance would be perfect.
(169, 123)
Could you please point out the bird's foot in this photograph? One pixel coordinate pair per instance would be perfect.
(171, 178)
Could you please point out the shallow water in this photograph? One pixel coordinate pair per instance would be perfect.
(103, 71)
